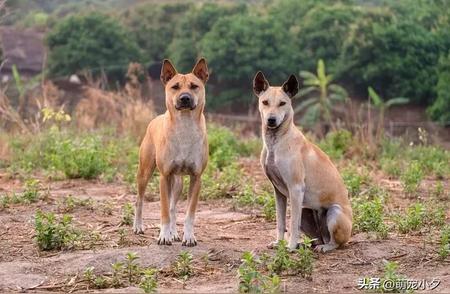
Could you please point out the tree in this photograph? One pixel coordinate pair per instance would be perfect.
(153, 27)
(440, 109)
(93, 42)
(192, 27)
(382, 106)
(321, 94)
(239, 45)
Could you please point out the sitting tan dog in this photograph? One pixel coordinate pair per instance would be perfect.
(175, 143)
(300, 171)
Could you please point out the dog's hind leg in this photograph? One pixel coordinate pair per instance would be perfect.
(177, 187)
(194, 191)
(145, 170)
(339, 227)
(310, 225)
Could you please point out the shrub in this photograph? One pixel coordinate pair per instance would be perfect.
(183, 265)
(74, 155)
(251, 280)
(368, 216)
(412, 177)
(413, 220)
(92, 41)
(127, 214)
(354, 180)
(52, 233)
(337, 143)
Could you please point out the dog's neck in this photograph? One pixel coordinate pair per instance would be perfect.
(183, 116)
(272, 136)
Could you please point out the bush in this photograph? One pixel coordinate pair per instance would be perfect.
(413, 220)
(337, 143)
(368, 216)
(412, 177)
(73, 155)
(93, 42)
(52, 233)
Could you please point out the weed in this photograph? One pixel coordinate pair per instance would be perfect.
(52, 233)
(354, 180)
(444, 248)
(127, 214)
(183, 265)
(413, 220)
(251, 280)
(117, 274)
(412, 177)
(149, 282)
(337, 143)
(69, 203)
(281, 261)
(269, 209)
(439, 192)
(391, 275)
(131, 267)
(304, 263)
(31, 193)
(368, 216)
(435, 214)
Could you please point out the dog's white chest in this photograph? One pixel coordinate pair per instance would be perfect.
(276, 170)
(186, 145)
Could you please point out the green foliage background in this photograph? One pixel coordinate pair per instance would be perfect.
(399, 48)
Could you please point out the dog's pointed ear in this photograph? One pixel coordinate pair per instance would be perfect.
(200, 70)
(260, 84)
(290, 87)
(168, 71)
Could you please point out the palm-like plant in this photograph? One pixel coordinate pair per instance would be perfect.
(321, 94)
(382, 105)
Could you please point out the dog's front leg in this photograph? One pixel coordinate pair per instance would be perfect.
(165, 187)
(194, 190)
(177, 187)
(296, 194)
(281, 203)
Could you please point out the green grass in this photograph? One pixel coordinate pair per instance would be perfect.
(368, 216)
(31, 194)
(251, 280)
(444, 242)
(127, 214)
(412, 220)
(412, 177)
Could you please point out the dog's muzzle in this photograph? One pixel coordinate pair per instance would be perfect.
(185, 101)
(272, 122)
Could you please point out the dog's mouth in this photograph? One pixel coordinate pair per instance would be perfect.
(182, 106)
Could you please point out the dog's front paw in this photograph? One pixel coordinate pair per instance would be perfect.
(175, 236)
(189, 240)
(138, 228)
(165, 238)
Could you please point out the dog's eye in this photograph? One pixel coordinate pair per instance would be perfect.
(282, 103)
(176, 87)
(265, 102)
(194, 86)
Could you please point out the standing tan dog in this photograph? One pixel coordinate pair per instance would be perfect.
(300, 171)
(175, 143)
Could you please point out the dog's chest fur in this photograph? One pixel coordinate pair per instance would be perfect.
(273, 167)
(186, 144)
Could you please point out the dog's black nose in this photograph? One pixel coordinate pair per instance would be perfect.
(185, 99)
(271, 121)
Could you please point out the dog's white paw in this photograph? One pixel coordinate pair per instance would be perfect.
(175, 236)
(165, 238)
(189, 241)
(138, 228)
(325, 247)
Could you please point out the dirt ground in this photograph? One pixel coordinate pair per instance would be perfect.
(223, 235)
